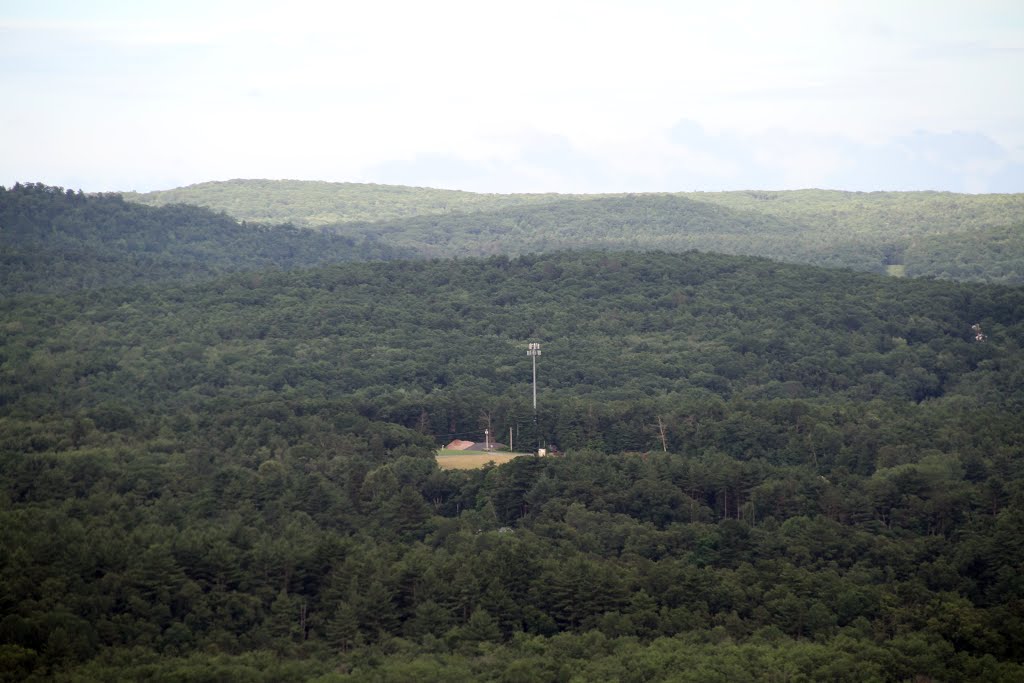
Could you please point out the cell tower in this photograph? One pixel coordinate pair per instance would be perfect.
(533, 350)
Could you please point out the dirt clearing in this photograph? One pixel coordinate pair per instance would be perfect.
(471, 460)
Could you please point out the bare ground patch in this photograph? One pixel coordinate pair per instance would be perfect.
(462, 460)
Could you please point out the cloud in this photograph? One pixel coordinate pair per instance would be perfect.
(575, 96)
(532, 161)
(957, 161)
(689, 157)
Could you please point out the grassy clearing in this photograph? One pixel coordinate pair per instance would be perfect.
(469, 460)
(896, 271)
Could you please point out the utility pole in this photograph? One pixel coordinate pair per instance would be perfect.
(533, 350)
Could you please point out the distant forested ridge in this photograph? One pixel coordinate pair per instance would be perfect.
(770, 471)
(937, 234)
(53, 239)
(315, 203)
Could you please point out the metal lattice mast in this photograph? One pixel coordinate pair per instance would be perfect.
(533, 350)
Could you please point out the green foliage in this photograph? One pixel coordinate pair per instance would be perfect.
(963, 237)
(990, 254)
(316, 204)
(53, 240)
(768, 471)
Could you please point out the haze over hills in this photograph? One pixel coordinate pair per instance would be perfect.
(957, 236)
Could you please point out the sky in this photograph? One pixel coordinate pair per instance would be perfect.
(525, 96)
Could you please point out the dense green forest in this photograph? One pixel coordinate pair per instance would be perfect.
(53, 239)
(469, 341)
(937, 234)
(769, 471)
(316, 204)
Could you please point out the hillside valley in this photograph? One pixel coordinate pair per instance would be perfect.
(945, 235)
(217, 449)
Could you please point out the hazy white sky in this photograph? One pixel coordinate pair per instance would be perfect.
(590, 96)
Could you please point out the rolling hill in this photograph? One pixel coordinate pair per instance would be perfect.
(865, 231)
(314, 204)
(54, 240)
(224, 468)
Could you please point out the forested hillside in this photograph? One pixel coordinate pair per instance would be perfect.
(955, 236)
(315, 204)
(52, 240)
(771, 471)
